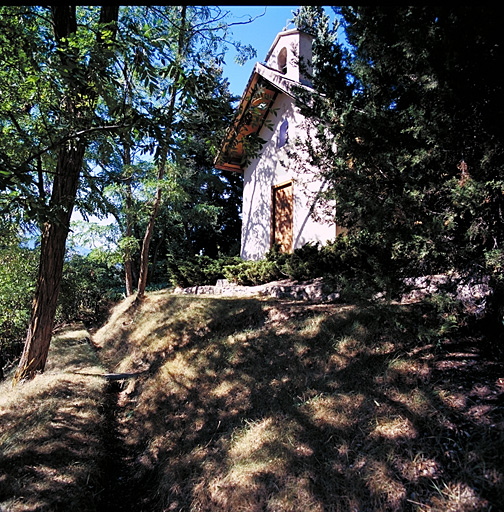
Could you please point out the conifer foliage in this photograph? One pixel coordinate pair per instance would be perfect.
(411, 140)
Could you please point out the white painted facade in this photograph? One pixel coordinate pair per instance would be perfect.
(273, 166)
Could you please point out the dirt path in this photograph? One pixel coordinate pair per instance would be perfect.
(52, 431)
(116, 494)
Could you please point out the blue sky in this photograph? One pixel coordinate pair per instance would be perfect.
(260, 34)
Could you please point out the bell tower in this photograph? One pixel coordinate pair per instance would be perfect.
(291, 55)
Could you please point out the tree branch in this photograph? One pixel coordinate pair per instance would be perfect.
(73, 136)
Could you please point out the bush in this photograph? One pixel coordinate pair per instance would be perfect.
(252, 273)
(198, 270)
(88, 288)
(18, 271)
(307, 262)
(355, 262)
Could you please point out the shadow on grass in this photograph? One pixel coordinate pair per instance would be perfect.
(51, 434)
(256, 405)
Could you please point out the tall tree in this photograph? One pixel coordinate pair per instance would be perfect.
(164, 140)
(79, 60)
(175, 88)
(66, 80)
(415, 157)
(199, 36)
(199, 211)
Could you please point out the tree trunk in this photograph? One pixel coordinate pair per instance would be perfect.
(144, 258)
(163, 149)
(128, 264)
(70, 159)
(52, 255)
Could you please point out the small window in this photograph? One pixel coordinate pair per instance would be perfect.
(282, 61)
(283, 136)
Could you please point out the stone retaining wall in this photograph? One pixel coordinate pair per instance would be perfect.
(473, 294)
(315, 290)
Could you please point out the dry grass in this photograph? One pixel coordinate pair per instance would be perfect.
(50, 432)
(251, 405)
(256, 405)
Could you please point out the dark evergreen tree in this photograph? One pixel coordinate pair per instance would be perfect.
(411, 141)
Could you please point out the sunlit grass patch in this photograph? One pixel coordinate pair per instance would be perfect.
(338, 411)
(387, 491)
(420, 466)
(313, 326)
(267, 406)
(414, 399)
(456, 497)
(266, 440)
(394, 428)
(348, 346)
(164, 323)
(263, 470)
(452, 399)
(408, 370)
(50, 432)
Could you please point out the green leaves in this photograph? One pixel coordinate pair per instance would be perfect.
(152, 80)
(18, 268)
(418, 169)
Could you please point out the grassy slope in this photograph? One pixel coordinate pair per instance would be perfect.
(256, 405)
(51, 432)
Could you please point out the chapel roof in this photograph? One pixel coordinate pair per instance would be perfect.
(263, 88)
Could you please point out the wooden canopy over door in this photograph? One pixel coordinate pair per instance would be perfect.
(282, 216)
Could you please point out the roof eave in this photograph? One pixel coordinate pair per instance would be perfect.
(229, 167)
(277, 82)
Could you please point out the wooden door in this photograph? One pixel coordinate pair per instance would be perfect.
(282, 217)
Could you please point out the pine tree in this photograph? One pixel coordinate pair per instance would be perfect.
(412, 139)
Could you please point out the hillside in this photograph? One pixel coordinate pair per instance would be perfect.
(51, 432)
(258, 404)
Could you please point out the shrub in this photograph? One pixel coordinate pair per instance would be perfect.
(252, 273)
(198, 270)
(355, 262)
(18, 270)
(88, 288)
(308, 262)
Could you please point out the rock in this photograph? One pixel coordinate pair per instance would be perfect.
(286, 289)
